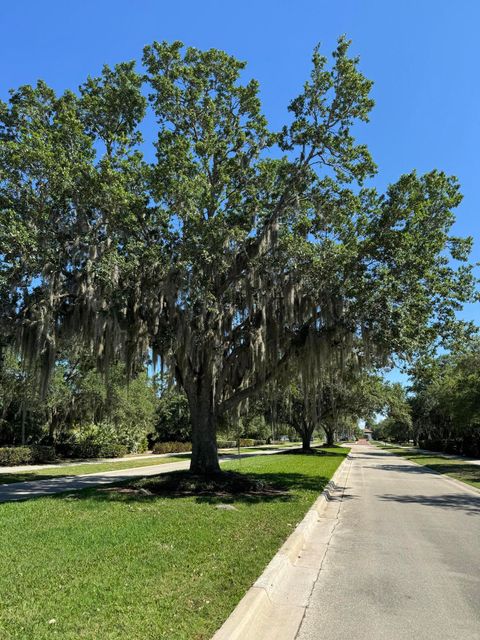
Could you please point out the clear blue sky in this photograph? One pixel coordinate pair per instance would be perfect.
(423, 56)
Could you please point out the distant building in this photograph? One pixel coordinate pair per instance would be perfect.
(368, 434)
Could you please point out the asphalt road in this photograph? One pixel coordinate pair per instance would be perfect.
(404, 559)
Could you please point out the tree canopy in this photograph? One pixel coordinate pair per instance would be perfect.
(235, 253)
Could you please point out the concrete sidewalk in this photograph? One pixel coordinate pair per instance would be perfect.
(141, 456)
(78, 463)
(403, 560)
(36, 488)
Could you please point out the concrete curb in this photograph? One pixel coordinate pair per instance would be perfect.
(273, 608)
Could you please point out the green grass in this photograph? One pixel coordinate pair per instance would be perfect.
(269, 447)
(463, 471)
(80, 469)
(115, 566)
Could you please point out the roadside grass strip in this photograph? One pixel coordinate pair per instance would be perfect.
(159, 557)
(458, 469)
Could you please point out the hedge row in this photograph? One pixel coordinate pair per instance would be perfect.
(244, 442)
(32, 454)
(180, 447)
(171, 447)
(92, 450)
(226, 444)
(460, 446)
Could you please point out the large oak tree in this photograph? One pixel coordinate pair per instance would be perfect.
(230, 252)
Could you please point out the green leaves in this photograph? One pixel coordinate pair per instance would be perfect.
(211, 132)
(324, 114)
(446, 397)
(112, 106)
(216, 253)
(406, 251)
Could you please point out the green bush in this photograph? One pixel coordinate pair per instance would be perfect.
(84, 450)
(247, 442)
(33, 454)
(42, 454)
(112, 450)
(11, 456)
(92, 449)
(226, 444)
(171, 447)
(260, 442)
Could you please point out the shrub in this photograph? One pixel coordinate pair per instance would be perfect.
(32, 454)
(112, 450)
(142, 445)
(91, 449)
(171, 447)
(42, 454)
(226, 444)
(11, 456)
(246, 442)
(260, 442)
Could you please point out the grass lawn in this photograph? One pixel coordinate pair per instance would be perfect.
(105, 564)
(267, 447)
(458, 469)
(80, 469)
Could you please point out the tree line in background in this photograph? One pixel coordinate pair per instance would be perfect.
(441, 410)
(257, 265)
(85, 414)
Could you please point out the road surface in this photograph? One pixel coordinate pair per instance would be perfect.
(403, 561)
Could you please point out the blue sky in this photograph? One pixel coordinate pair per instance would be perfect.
(423, 56)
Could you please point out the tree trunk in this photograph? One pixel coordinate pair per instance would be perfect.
(305, 431)
(24, 415)
(204, 459)
(306, 437)
(330, 434)
(51, 429)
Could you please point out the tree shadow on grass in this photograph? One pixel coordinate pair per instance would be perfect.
(330, 452)
(10, 478)
(225, 488)
(228, 486)
(464, 472)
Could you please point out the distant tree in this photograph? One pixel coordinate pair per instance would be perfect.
(172, 420)
(332, 402)
(445, 399)
(396, 425)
